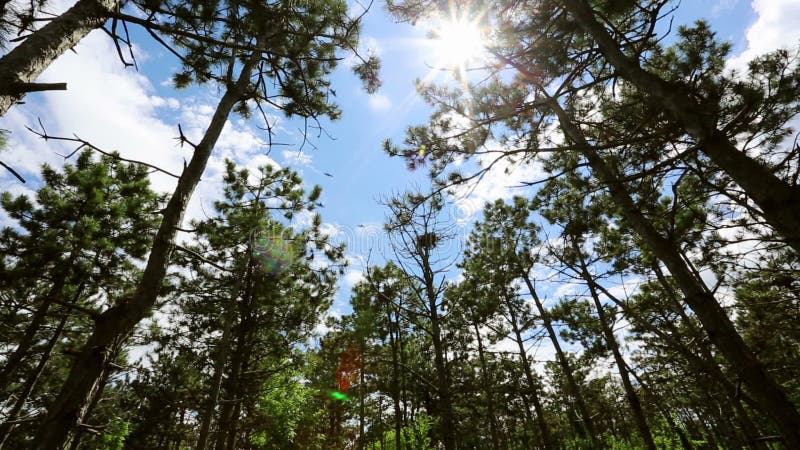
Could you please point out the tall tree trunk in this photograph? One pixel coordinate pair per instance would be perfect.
(685, 442)
(442, 382)
(703, 362)
(777, 199)
(229, 416)
(394, 344)
(225, 423)
(715, 321)
(445, 405)
(563, 362)
(221, 357)
(608, 333)
(547, 437)
(233, 431)
(362, 411)
(25, 62)
(490, 408)
(115, 324)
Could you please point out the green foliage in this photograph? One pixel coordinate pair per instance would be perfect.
(286, 402)
(115, 435)
(416, 435)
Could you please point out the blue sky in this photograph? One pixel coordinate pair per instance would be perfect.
(137, 113)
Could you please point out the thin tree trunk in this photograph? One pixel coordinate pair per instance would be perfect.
(715, 321)
(777, 199)
(8, 426)
(575, 391)
(13, 361)
(25, 62)
(227, 418)
(445, 406)
(685, 442)
(547, 437)
(115, 324)
(220, 359)
(225, 424)
(394, 343)
(442, 384)
(230, 443)
(361, 403)
(608, 332)
(487, 389)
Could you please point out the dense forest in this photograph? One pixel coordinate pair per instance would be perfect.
(643, 292)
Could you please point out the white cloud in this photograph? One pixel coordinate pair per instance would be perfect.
(110, 106)
(503, 180)
(352, 277)
(116, 108)
(777, 26)
(379, 102)
(294, 157)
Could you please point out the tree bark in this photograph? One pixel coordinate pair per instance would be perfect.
(547, 437)
(715, 321)
(572, 385)
(25, 62)
(116, 323)
(608, 333)
(777, 199)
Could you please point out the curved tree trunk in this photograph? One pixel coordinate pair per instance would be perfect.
(715, 321)
(25, 62)
(777, 199)
(115, 324)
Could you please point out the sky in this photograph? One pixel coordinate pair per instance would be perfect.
(137, 112)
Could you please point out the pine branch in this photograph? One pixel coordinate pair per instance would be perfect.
(86, 144)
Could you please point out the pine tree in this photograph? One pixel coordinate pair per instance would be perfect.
(303, 89)
(71, 249)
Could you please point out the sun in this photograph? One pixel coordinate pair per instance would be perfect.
(457, 42)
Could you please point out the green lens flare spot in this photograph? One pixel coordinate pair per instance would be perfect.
(336, 395)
